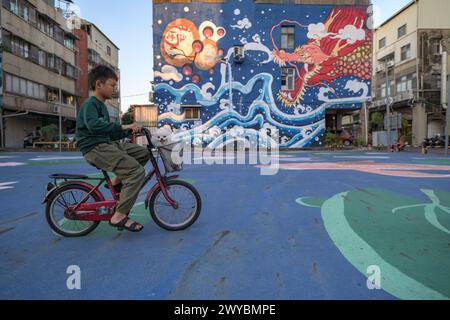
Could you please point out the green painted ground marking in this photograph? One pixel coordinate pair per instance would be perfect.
(405, 237)
(311, 202)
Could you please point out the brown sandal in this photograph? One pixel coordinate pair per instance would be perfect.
(122, 225)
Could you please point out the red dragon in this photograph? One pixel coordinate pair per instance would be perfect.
(328, 57)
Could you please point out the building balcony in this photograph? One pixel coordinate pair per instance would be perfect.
(25, 104)
(402, 97)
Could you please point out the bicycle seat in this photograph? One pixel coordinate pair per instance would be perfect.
(68, 176)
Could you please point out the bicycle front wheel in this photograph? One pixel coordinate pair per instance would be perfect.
(188, 211)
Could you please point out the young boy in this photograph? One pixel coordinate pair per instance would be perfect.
(98, 140)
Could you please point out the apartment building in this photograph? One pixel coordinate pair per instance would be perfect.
(39, 69)
(95, 48)
(407, 68)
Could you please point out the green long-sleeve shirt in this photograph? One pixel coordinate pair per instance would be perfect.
(94, 126)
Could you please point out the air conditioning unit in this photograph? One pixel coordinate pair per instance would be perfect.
(239, 53)
(55, 109)
(390, 63)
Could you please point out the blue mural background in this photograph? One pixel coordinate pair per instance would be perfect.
(255, 109)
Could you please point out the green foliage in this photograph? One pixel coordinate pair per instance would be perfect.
(49, 132)
(376, 121)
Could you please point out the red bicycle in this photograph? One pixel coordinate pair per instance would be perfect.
(75, 208)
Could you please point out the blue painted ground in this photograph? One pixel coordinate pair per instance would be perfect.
(252, 241)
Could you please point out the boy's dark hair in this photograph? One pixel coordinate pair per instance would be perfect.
(101, 73)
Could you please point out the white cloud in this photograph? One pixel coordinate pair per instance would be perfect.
(169, 73)
(351, 34)
(243, 24)
(317, 31)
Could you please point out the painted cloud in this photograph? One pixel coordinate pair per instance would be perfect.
(169, 73)
(243, 24)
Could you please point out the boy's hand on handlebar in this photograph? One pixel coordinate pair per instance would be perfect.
(134, 127)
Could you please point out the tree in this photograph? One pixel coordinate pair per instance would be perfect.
(128, 118)
(376, 121)
(49, 132)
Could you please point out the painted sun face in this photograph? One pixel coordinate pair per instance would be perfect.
(178, 40)
(184, 45)
(178, 37)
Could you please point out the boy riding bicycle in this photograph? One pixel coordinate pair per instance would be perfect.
(98, 140)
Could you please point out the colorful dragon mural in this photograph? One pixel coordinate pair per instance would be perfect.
(334, 49)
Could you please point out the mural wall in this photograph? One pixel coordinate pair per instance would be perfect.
(298, 61)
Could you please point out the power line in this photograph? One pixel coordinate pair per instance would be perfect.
(135, 95)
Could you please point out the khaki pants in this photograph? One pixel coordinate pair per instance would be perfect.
(126, 161)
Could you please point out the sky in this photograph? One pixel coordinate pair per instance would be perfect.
(129, 25)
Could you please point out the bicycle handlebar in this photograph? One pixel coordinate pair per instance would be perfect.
(144, 132)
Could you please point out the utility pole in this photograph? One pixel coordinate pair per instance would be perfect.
(2, 138)
(447, 120)
(388, 101)
(60, 110)
(445, 91)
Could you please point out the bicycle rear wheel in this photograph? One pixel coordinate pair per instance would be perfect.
(64, 197)
(189, 202)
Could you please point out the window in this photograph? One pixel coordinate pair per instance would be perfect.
(435, 46)
(191, 113)
(8, 83)
(7, 39)
(52, 94)
(68, 99)
(20, 47)
(108, 50)
(32, 14)
(30, 88)
(402, 31)
(26, 50)
(42, 58)
(14, 6)
(42, 92)
(287, 79)
(406, 83)
(69, 43)
(381, 91)
(71, 71)
(288, 38)
(16, 85)
(51, 61)
(36, 91)
(436, 81)
(45, 26)
(25, 87)
(382, 43)
(59, 34)
(23, 11)
(93, 57)
(406, 52)
(34, 54)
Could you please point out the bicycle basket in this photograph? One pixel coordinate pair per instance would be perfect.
(172, 157)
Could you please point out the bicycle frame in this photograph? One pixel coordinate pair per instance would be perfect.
(90, 211)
